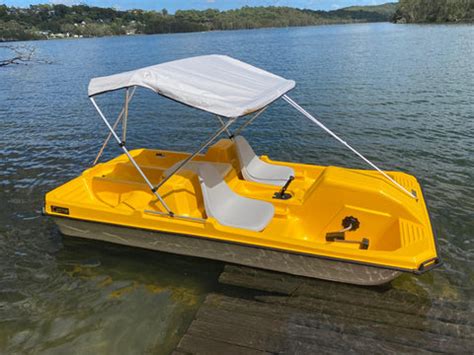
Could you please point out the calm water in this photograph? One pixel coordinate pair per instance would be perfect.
(403, 95)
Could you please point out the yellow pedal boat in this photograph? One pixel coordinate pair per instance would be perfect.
(224, 202)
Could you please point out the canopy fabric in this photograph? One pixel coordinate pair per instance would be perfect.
(214, 83)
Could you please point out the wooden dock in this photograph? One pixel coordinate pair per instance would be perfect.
(261, 312)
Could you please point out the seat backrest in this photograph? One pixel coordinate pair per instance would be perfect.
(245, 152)
(229, 208)
(256, 170)
(215, 190)
(249, 162)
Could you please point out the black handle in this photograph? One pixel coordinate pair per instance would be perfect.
(282, 195)
(429, 265)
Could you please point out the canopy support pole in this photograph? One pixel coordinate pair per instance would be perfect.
(249, 121)
(229, 134)
(312, 118)
(119, 118)
(200, 149)
(125, 150)
(125, 117)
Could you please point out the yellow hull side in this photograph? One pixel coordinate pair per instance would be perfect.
(397, 226)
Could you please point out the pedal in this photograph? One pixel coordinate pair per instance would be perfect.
(335, 236)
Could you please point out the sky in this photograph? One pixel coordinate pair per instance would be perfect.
(173, 5)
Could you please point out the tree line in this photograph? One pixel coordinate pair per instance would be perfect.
(434, 11)
(57, 20)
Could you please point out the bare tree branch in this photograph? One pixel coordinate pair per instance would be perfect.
(21, 55)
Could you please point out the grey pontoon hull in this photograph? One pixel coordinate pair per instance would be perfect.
(291, 263)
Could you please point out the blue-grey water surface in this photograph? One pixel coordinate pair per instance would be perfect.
(401, 94)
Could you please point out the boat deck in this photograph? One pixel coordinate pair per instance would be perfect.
(261, 312)
(396, 226)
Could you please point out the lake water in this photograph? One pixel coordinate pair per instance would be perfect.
(401, 94)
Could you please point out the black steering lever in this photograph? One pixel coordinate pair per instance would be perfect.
(282, 194)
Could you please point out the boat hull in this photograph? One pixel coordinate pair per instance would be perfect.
(264, 258)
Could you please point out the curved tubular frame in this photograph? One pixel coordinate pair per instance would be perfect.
(249, 121)
(125, 150)
(229, 133)
(312, 118)
(200, 149)
(123, 116)
(128, 99)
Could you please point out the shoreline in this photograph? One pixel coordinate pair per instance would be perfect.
(186, 32)
(56, 21)
(464, 23)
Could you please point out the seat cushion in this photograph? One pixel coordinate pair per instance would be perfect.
(229, 208)
(256, 170)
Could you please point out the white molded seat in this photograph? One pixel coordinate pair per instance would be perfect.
(229, 208)
(256, 170)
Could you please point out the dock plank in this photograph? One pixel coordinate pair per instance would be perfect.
(259, 312)
(223, 309)
(391, 299)
(267, 333)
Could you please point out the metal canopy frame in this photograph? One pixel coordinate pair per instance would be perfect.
(245, 124)
(128, 98)
(305, 113)
(334, 135)
(123, 117)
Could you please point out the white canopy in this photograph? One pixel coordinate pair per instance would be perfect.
(215, 83)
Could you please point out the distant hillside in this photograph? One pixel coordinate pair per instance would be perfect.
(434, 11)
(387, 9)
(60, 21)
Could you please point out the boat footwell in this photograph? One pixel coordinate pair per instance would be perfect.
(291, 263)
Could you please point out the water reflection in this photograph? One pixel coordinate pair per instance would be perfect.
(95, 297)
(405, 101)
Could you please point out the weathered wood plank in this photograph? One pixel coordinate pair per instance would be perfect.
(222, 307)
(288, 314)
(395, 319)
(273, 335)
(375, 298)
